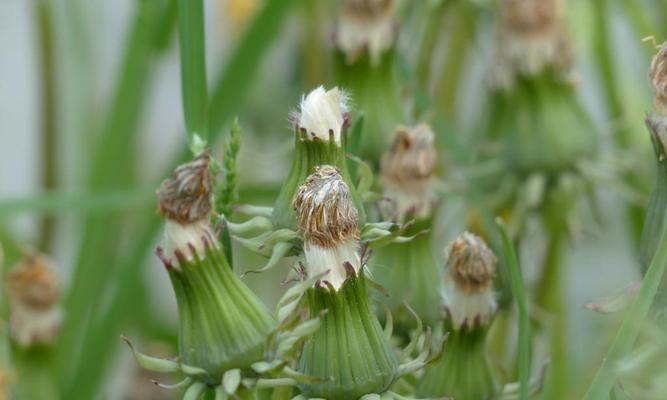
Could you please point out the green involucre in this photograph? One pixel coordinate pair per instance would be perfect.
(223, 325)
(349, 352)
(464, 371)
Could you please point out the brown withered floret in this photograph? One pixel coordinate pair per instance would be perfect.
(367, 8)
(34, 282)
(471, 263)
(531, 16)
(412, 156)
(325, 212)
(658, 76)
(187, 195)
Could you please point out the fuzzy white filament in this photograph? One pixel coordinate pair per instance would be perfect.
(468, 293)
(180, 237)
(322, 112)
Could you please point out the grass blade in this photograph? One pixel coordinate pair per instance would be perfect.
(193, 71)
(605, 377)
(58, 203)
(509, 255)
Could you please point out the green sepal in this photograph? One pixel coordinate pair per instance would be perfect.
(349, 352)
(464, 371)
(223, 325)
(308, 154)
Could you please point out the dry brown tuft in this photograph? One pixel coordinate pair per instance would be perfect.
(187, 195)
(325, 211)
(658, 75)
(531, 16)
(470, 263)
(412, 156)
(33, 282)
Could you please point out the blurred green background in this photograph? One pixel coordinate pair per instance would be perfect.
(91, 121)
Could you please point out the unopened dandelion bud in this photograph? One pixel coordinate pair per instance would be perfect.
(464, 371)
(407, 172)
(223, 325)
(320, 127)
(468, 292)
(531, 37)
(366, 26)
(34, 292)
(328, 221)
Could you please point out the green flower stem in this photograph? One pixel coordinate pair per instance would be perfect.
(223, 325)
(410, 274)
(626, 336)
(308, 154)
(42, 15)
(550, 297)
(193, 70)
(100, 338)
(458, 43)
(510, 258)
(434, 14)
(464, 371)
(34, 373)
(622, 134)
(349, 352)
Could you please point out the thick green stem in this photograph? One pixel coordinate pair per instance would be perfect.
(550, 298)
(35, 378)
(44, 24)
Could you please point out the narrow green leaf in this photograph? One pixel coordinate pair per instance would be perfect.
(57, 203)
(193, 72)
(605, 378)
(512, 263)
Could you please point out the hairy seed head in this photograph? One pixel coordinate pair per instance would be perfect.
(325, 212)
(470, 263)
(323, 114)
(187, 195)
(658, 76)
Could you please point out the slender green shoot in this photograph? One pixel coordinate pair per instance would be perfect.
(57, 203)
(605, 377)
(193, 72)
(516, 280)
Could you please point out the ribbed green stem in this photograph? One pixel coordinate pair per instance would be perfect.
(410, 274)
(374, 92)
(349, 352)
(308, 154)
(464, 371)
(223, 325)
